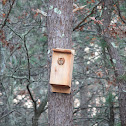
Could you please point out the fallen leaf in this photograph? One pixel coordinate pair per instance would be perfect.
(4, 2)
(78, 8)
(4, 15)
(99, 73)
(93, 1)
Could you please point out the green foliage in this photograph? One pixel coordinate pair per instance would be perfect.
(110, 98)
(123, 77)
(43, 39)
(18, 4)
(103, 44)
(118, 124)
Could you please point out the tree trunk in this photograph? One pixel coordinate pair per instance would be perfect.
(60, 106)
(2, 88)
(38, 111)
(83, 90)
(111, 118)
(115, 58)
(35, 120)
(83, 103)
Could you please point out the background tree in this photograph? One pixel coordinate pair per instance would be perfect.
(114, 57)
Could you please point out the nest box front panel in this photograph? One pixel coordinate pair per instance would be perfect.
(61, 69)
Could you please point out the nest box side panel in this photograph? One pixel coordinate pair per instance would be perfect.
(71, 65)
(61, 74)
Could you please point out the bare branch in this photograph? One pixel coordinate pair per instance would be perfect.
(86, 16)
(119, 13)
(5, 21)
(7, 114)
(29, 72)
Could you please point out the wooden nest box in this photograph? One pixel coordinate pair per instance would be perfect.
(61, 70)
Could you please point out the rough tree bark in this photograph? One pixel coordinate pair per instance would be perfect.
(115, 58)
(59, 22)
(83, 90)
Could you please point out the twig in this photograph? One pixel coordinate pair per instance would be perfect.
(29, 72)
(86, 16)
(5, 21)
(119, 13)
(14, 32)
(17, 77)
(7, 114)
